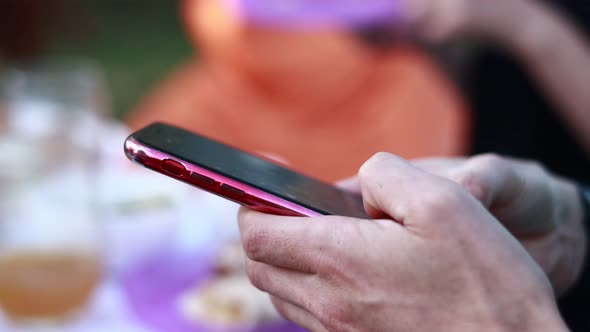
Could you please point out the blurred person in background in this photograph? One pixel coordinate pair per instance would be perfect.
(321, 98)
(525, 83)
(528, 77)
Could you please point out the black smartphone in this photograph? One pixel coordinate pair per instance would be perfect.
(252, 181)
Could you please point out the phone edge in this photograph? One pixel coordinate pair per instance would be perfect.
(252, 198)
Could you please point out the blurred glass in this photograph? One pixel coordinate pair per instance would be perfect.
(50, 243)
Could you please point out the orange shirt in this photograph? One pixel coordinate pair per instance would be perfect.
(324, 114)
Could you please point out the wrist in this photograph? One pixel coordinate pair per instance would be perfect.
(534, 312)
(538, 312)
(570, 236)
(548, 320)
(574, 220)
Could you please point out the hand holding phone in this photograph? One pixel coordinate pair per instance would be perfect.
(241, 177)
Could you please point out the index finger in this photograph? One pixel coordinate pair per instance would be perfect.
(295, 243)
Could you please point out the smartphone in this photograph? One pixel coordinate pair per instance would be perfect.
(241, 177)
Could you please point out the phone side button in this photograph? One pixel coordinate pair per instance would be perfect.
(203, 179)
(173, 167)
(231, 190)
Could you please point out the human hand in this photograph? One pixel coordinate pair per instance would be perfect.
(435, 258)
(543, 211)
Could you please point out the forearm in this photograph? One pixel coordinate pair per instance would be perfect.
(556, 54)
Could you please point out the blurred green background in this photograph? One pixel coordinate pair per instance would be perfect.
(137, 42)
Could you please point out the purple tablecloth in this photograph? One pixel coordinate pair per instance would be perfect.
(154, 287)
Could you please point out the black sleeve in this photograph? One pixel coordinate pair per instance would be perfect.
(513, 117)
(575, 304)
(576, 10)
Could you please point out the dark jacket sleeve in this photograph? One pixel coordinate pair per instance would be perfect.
(575, 305)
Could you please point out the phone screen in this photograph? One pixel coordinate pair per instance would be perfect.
(251, 170)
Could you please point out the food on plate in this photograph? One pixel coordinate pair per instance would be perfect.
(227, 301)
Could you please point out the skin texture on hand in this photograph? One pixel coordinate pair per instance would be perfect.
(543, 211)
(434, 257)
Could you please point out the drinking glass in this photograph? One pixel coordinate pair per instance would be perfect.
(50, 243)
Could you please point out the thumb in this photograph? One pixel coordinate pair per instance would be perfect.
(392, 188)
(350, 184)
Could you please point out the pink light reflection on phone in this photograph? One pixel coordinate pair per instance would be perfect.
(213, 182)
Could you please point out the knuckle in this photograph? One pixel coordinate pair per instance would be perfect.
(254, 240)
(474, 184)
(256, 275)
(533, 170)
(280, 306)
(374, 162)
(536, 168)
(488, 161)
(334, 316)
(488, 164)
(474, 175)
